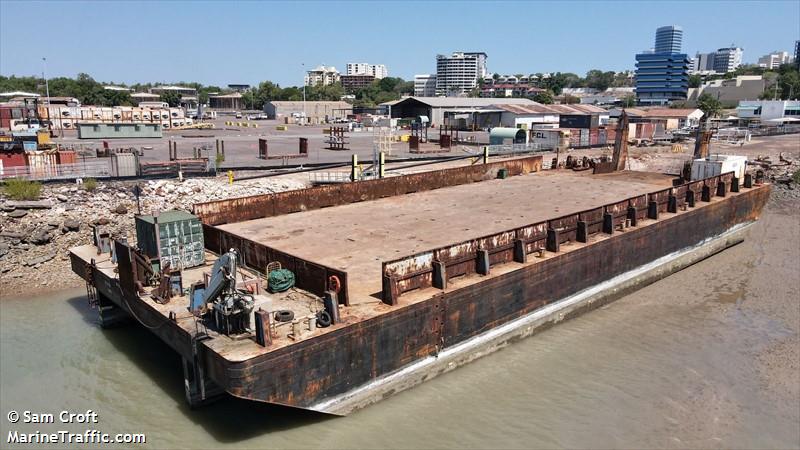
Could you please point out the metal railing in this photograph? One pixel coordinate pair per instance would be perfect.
(100, 168)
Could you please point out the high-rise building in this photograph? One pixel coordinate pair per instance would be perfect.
(774, 59)
(324, 75)
(703, 62)
(425, 85)
(376, 70)
(797, 54)
(669, 39)
(459, 73)
(663, 75)
(727, 59)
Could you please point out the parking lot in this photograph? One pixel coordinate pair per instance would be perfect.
(241, 144)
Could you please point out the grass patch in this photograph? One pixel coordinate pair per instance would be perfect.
(19, 189)
(90, 184)
(796, 176)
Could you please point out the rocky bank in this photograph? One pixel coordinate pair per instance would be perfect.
(34, 242)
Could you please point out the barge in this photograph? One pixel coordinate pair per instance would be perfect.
(399, 279)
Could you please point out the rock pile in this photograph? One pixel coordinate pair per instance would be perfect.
(34, 242)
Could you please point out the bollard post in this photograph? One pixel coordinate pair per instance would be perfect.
(552, 242)
(354, 167)
(230, 177)
(582, 234)
(486, 154)
(483, 262)
(439, 280)
(382, 165)
(608, 223)
(652, 210)
(690, 198)
(520, 253)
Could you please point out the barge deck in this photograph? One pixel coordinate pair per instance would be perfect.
(422, 264)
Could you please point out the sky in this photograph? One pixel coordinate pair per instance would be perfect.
(220, 43)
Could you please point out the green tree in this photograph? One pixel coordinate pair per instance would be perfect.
(116, 98)
(710, 106)
(695, 81)
(599, 80)
(172, 98)
(629, 101)
(544, 97)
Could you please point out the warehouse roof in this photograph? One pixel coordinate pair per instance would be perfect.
(538, 108)
(673, 112)
(289, 103)
(233, 95)
(464, 102)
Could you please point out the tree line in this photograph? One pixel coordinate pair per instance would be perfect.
(91, 92)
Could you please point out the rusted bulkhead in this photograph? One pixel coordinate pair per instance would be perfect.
(314, 370)
(269, 205)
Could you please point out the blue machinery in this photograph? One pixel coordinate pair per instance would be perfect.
(229, 307)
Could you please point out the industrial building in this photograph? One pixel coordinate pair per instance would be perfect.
(437, 108)
(226, 102)
(730, 92)
(118, 130)
(459, 73)
(313, 110)
(536, 115)
(139, 97)
(769, 112)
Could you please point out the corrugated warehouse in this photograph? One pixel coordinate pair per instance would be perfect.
(436, 108)
(318, 109)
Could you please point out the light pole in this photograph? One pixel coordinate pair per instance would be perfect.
(304, 93)
(46, 84)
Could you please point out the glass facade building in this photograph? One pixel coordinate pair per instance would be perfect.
(662, 76)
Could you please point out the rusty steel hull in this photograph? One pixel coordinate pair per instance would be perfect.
(313, 371)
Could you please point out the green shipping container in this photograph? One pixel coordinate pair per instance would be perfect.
(179, 239)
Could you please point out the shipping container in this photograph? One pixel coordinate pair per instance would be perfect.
(124, 165)
(13, 158)
(66, 157)
(544, 138)
(41, 164)
(172, 236)
(584, 139)
(718, 164)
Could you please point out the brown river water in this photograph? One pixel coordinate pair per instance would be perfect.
(707, 357)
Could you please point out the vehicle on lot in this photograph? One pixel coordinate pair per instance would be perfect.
(238, 115)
